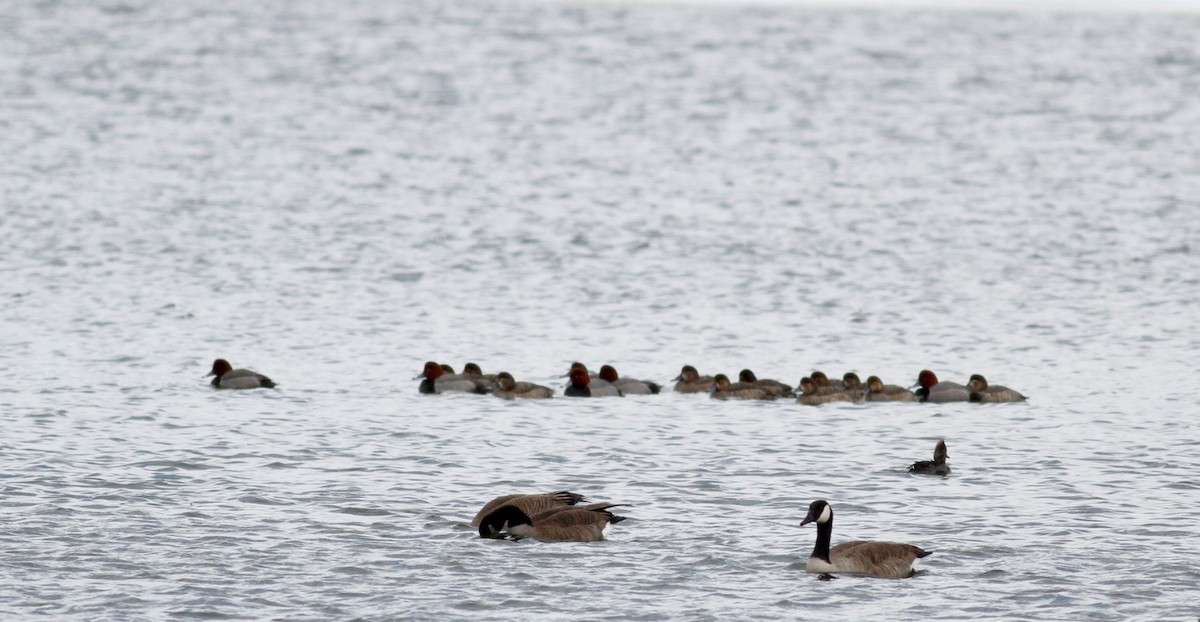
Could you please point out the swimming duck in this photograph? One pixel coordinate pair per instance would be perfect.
(690, 381)
(810, 394)
(722, 389)
(937, 466)
(824, 383)
(530, 504)
(437, 380)
(583, 385)
(890, 560)
(940, 392)
(508, 388)
(981, 392)
(776, 387)
(628, 386)
(229, 378)
(879, 392)
(471, 370)
(583, 523)
(853, 386)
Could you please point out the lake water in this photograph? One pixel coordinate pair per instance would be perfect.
(332, 193)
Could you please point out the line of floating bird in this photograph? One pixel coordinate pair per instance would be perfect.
(815, 388)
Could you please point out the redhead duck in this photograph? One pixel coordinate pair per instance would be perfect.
(812, 395)
(889, 560)
(690, 381)
(937, 466)
(628, 386)
(879, 392)
(229, 378)
(583, 385)
(776, 387)
(508, 388)
(438, 380)
(725, 390)
(981, 392)
(940, 392)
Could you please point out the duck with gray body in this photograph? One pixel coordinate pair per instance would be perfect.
(442, 379)
(890, 560)
(628, 386)
(937, 466)
(229, 378)
(582, 384)
(931, 390)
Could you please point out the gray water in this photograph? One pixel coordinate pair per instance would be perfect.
(331, 193)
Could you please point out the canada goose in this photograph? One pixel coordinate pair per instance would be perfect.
(890, 560)
(722, 389)
(940, 392)
(508, 388)
(776, 387)
(583, 523)
(229, 378)
(690, 381)
(981, 392)
(937, 466)
(811, 394)
(530, 504)
(879, 392)
(438, 380)
(628, 386)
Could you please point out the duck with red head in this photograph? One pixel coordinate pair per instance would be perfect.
(583, 385)
(229, 378)
(940, 392)
(437, 380)
(628, 386)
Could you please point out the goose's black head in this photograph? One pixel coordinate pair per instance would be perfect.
(503, 517)
(819, 512)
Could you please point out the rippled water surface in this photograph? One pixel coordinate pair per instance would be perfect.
(332, 193)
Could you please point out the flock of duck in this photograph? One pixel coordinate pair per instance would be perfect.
(815, 388)
(562, 517)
